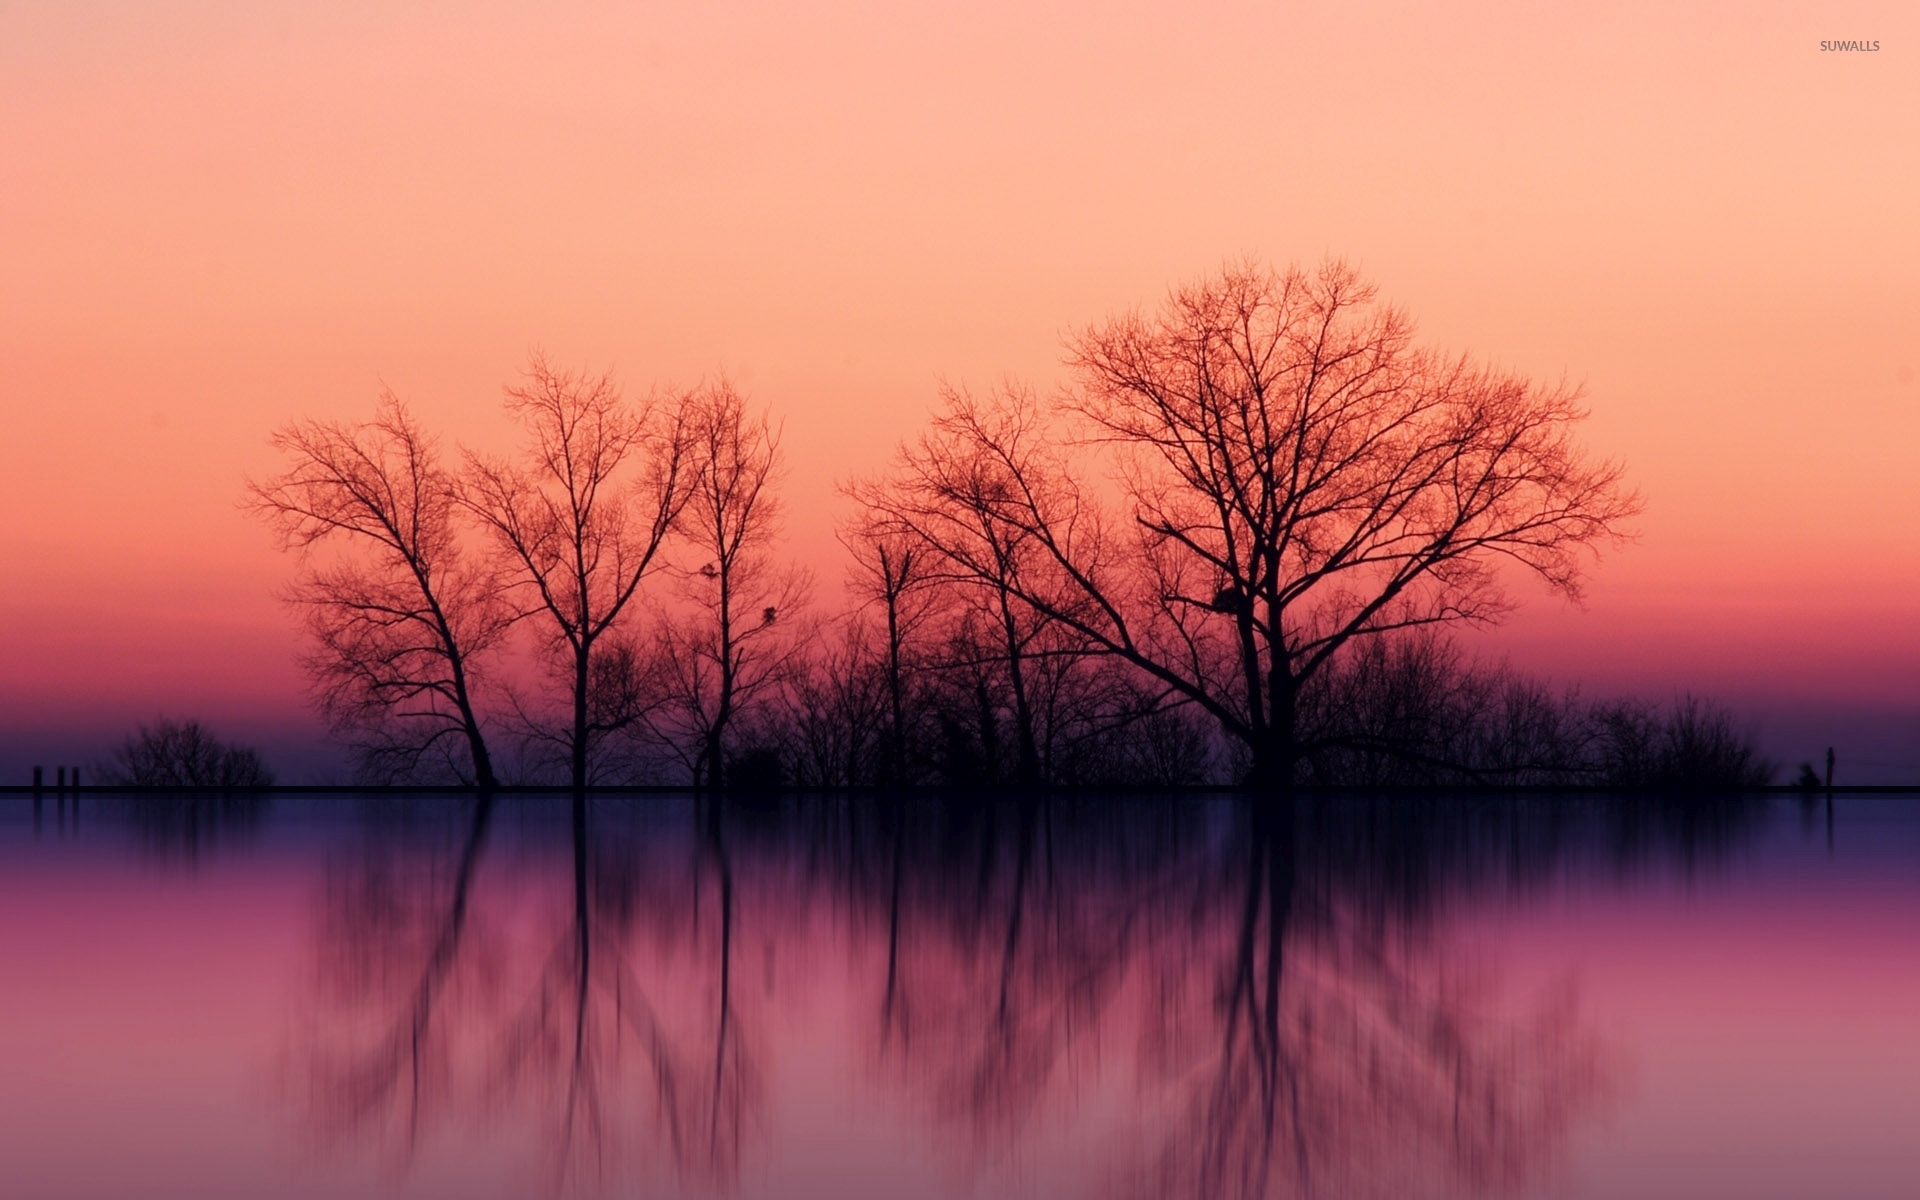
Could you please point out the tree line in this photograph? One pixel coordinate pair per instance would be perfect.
(1229, 549)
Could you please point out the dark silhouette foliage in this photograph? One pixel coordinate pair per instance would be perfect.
(1692, 745)
(1295, 476)
(1231, 550)
(1413, 710)
(576, 524)
(401, 622)
(185, 754)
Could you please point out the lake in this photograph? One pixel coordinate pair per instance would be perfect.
(983, 996)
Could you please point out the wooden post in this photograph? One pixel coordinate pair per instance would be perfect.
(38, 776)
(1829, 768)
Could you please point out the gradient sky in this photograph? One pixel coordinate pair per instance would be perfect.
(216, 217)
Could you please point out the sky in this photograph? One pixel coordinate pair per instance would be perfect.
(218, 217)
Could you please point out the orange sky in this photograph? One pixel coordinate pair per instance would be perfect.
(217, 217)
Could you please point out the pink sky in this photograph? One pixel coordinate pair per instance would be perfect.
(218, 217)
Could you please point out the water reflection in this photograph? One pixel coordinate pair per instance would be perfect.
(181, 828)
(1221, 999)
(602, 1015)
(1307, 1046)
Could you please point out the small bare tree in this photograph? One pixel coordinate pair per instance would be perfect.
(185, 754)
(894, 572)
(578, 525)
(834, 716)
(401, 622)
(731, 644)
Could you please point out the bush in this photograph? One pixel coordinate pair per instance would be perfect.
(1692, 746)
(756, 770)
(1411, 709)
(185, 754)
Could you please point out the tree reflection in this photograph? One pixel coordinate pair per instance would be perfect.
(391, 940)
(183, 827)
(1280, 1015)
(584, 1022)
(1007, 964)
(1195, 998)
(1306, 1048)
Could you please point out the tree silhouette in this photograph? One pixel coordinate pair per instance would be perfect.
(944, 508)
(836, 717)
(578, 524)
(401, 627)
(734, 642)
(184, 754)
(892, 571)
(1296, 475)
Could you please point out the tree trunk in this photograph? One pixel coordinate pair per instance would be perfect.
(578, 749)
(1027, 769)
(896, 767)
(1276, 746)
(483, 777)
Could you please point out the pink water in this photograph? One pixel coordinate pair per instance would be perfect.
(1556, 998)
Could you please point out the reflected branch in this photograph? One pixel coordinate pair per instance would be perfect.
(359, 1092)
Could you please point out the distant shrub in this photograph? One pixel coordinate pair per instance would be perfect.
(184, 754)
(756, 770)
(1692, 746)
(1412, 709)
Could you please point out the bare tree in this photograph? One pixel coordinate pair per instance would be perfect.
(894, 572)
(579, 523)
(834, 722)
(185, 754)
(400, 627)
(1694, 745)
(955, 498)
(732, 644)
(1059, 693)
(1297, 474)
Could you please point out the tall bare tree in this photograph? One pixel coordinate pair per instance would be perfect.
(950, 499)
(893, 572)
(578, 523)
(1297, 474)
(732, 643)
(400, 626)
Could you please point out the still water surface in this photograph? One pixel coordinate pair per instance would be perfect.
(1463, 996)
